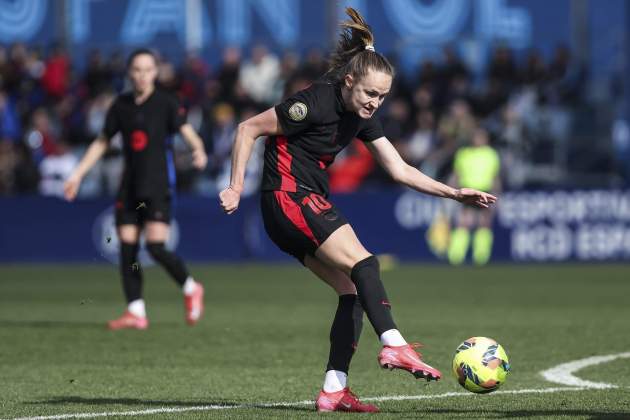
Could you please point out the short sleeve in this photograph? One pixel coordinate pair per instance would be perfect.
(372, 129)
(301, 110)
(176, 115)
(112, 124)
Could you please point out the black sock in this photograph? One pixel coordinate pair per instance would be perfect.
(345, 333)
(130, 271)
(366, 277)
(167, 259)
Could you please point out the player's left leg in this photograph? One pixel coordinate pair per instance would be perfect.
(347, 324)
(156, 234)
(460, 237)
(345, 331)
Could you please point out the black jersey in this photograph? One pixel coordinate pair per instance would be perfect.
(145, 130)
(316, 127)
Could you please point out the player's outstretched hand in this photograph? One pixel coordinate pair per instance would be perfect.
(229, 199)
(71, 187)
(475, 198)
(199, 159)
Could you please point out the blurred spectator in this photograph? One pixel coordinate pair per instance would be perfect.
(97, 74)
(502, 68)
(454, 130)
(193, 75)
(351, 168)
(288, 68)
(8, 161)
(314, 65)
(56, 77)
(535, 71)
(396, 121)
(259, 75)
(40, 137)
(422, 140)
(54, 170)
(25, 172)
(118, 70)
(10, 130)
(528, 106)
(228, 73)
(219, 138)
(167, 75)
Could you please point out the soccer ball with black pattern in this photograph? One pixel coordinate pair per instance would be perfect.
(480, 365)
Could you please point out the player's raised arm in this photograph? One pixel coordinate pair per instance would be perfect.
(263, 124)
(403, 173)
(92, 155)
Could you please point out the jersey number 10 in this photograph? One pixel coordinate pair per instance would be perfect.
(316, 202)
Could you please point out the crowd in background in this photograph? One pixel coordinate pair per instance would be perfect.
(50, 112)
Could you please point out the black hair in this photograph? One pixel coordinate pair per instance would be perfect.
(140, 51)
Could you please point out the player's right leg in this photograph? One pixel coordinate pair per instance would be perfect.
(343, 250)
(135, 316)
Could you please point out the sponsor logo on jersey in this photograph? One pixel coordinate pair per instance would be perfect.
(139, 140)
(298, 111)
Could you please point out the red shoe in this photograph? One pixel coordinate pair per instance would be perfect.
(406, 358)
(128, 321)
(343, 400)
(194, 305)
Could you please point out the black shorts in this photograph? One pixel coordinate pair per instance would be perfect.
(135, 211)
(298, 223)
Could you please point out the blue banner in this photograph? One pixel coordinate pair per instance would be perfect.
(411, 29)
(542, 226)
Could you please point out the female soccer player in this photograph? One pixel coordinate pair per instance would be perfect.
(145, 117)
(304, 134)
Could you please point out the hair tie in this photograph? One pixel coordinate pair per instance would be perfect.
(370, 47)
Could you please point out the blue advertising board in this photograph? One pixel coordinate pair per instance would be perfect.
(529, 226)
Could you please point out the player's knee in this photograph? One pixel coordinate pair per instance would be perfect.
(157, 250)
(369, 264)
(128, 251)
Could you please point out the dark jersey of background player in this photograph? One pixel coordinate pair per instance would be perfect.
(314, 132)
(145, 129)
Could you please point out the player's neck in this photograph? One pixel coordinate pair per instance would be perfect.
(345, 98)
(140, 97)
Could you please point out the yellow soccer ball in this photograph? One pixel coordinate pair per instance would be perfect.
(480, 365)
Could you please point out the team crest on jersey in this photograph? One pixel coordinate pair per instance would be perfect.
(298, 111)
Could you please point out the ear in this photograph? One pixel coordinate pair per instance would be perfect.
(348, 81)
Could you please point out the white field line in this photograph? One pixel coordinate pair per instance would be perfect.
(560, 374)
(563, 374)
(166, 410)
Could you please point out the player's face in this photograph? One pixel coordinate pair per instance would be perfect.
(368, 93)
(142, 72)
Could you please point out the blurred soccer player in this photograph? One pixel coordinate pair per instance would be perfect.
(476, 166)
(305, 133)
(146, 117)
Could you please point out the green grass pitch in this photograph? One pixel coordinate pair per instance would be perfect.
(264, 339)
